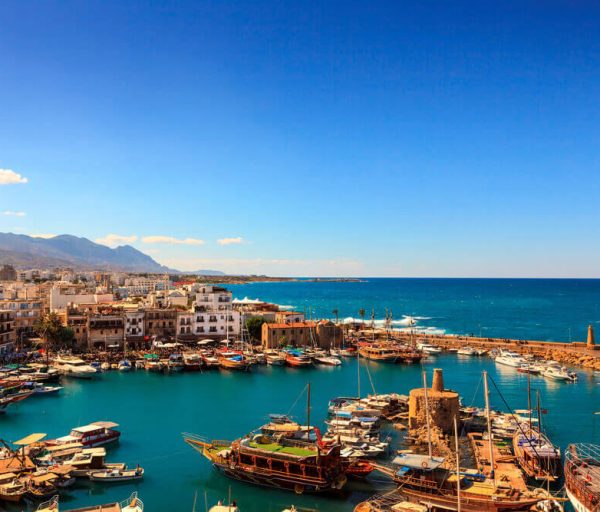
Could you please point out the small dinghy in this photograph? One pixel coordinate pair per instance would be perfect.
(117, 475)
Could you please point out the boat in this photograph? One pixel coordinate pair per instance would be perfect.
(466, 351)
(538, 457)
(152, 363)
(381, 352)
(297, 359)
(95, 434)
(509, 358)
(219, 507)
(210, 361)
(529, 368)
(40, 389)
(428, 348)
(11, 488)
(105, 366)
(230, 360)
(175, 363)
(124, 365)
(192, 362)
(561, 373)
(131, 504)
(274, 358)
(117, 475)
(349, 352)
(582, 476)
(75, 367)
(327, 360)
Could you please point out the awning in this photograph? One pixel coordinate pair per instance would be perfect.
(30, 439)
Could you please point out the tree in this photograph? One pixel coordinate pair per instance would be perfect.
(254, 326)
(50, 328)
(361, 313)
(336, 314)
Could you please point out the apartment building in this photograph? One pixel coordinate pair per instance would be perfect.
(8, 334)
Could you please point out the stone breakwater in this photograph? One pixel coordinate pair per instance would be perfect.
(570, 354)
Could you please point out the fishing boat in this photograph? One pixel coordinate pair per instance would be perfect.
(124, 365)
(210, 360)
(297, 359)
(231, 360)
(509, 358)
(582, 476)
(98, 433)
(274, 358)
(175, 363)
(381, 352)
(537, 456)
(192, 362)
(117, 475)
(153, 363)
(75, 367)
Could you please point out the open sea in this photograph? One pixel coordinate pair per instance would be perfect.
(153, 410)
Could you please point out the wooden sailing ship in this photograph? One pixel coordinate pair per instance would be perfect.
(538, 457)
(298, 461)
(582, 476)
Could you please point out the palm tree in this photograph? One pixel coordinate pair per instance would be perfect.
(361, 313)
(336, 313)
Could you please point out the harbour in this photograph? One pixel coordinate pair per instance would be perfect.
(153, 409)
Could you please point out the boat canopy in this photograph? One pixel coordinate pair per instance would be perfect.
(30, 439)
(417, 461)
(105, 424)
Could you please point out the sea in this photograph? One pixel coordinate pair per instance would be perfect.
(153, 410)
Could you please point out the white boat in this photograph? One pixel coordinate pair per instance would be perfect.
(117, 475)
(466, 351)
(429, 348)
(131, 504)
(105, 367)
(124, 365)
(41, 389)
(75, 367)
(219, 507)
(559, 373)
(327, 360)
(274, 358)
(509, 358)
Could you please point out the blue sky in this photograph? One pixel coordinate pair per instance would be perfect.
(320, 138)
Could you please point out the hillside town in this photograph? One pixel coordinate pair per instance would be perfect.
(105, 311)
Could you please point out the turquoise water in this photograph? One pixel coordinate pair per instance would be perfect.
(154, 409)
(543, 309)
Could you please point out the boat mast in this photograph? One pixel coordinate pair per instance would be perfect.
(358, 370)
(308, 411)
(539, 411)
(489, 425)
(427, 414)
(457, 465)
(529, 397)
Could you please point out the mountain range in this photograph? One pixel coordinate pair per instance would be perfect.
(80, 253)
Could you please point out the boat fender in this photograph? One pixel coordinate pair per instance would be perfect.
(298, 489)
(424, 464)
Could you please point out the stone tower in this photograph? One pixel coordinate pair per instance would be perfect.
(591, 344)
(443, 405)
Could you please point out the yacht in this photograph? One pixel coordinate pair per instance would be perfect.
(466, 351)
(557, 372)
(509, 358)
(75, 367)
(429, 348)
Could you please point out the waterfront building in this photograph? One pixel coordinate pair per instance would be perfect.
(105, 330)
(288, 317)
(215, 316)
(160, 323)
(27, 313)
(134, 326)
(8, 334)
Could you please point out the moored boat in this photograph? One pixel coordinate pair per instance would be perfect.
(582, 476)
(381, 352)
(536, 455)
(230, 360)
(117, 475)
(95, 434)
(297, 358)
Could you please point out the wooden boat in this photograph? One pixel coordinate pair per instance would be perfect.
(380, 352)
(230, 360)
(11, 489)
(423, 479)
(582, 476)
(95, 434)
(131, 504)
(192, 362)
(281, 462)
(274, 358)
(536, 455)
(153, 363)
(117, 475)
(391, 501)
(297, 359)
(175, 363)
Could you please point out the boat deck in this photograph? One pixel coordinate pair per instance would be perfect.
(506, 472)
(278, 448)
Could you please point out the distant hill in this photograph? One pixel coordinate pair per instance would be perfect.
(77, 252)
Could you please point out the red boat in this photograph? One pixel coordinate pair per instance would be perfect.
(359, 469)
(297, 359)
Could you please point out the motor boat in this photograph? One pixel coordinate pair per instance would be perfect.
(75, 367)
(509, 358)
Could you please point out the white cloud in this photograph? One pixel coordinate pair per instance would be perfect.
(9, 177)
(158, 239)
(113, 240)
(13, 214)
(43, 235)
(230, 241)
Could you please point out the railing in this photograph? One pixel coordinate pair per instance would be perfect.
(132, 500)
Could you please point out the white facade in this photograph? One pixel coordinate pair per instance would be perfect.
(134, 323)
(221, 324)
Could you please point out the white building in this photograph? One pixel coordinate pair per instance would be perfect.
(134, 323)
(61, 296)
(214, 316)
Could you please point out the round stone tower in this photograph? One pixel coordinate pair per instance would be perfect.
(443, 405)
